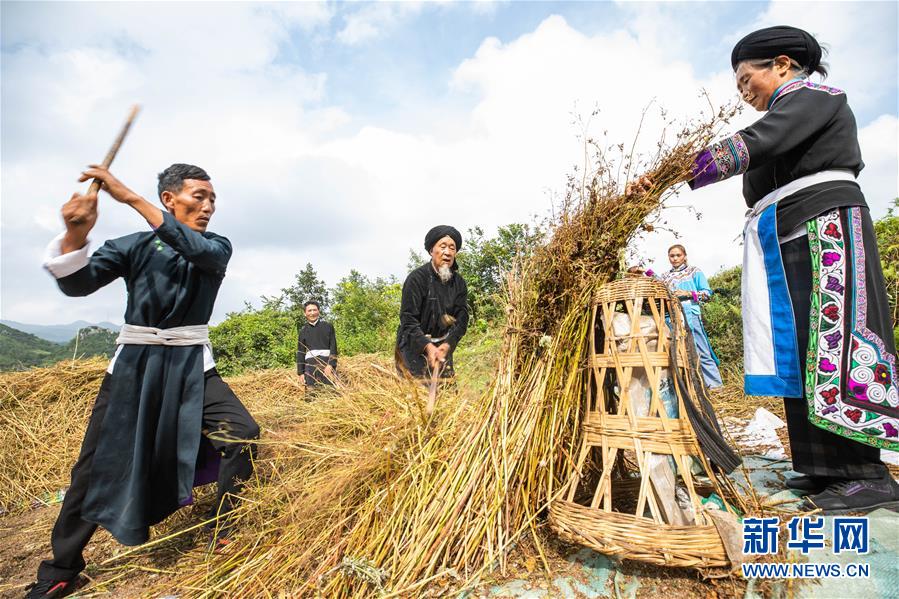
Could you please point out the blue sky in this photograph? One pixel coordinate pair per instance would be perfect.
(337, 134)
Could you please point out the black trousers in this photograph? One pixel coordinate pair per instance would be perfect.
(815, 451)
(314, 372)
(224, 417)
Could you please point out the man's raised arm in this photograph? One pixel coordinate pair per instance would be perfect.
(66, 256)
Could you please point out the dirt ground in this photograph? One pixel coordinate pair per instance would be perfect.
(26, 541)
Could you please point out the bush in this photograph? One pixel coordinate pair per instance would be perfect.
(366, 314)
(723, 319)
(254, 339)
(887, 229)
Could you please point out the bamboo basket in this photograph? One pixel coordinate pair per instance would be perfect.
(621, 498)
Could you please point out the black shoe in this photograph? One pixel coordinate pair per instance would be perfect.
(857, 496)
(52, 589)
(806, 484)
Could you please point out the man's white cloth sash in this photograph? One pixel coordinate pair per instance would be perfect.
(318, 353)
(197, 334)
(770, 352)
(132, 334)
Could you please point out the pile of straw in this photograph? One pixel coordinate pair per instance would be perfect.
(403, 504)
(43, 414)
(359, 492)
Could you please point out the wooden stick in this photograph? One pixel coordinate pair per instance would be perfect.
(110, 155)
(432, 390)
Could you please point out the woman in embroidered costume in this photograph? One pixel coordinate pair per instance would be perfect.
(816, 320)
(690, 285)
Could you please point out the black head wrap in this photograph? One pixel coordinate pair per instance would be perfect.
(313, 302)
(439, 232)
(774, 41)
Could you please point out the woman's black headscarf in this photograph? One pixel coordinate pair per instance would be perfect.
(439, 232)
(775, 41)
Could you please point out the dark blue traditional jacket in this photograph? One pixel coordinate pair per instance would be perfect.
(144, 465)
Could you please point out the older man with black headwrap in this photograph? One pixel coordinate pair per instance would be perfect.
(434, 310)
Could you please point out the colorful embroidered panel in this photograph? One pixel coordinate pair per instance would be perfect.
(688, 278)
(721, 160)
(731, 156)
(803, 84)
(851, 385)
(674, 277)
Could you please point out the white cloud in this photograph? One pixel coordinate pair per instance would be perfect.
(519, 141)
(862, 47)
(212, 93)
(306, 15)
(486, 7)
(375, 19)
(303, 180)
(880, 178)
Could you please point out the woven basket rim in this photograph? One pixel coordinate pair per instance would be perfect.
(633, 537)
(631, 288)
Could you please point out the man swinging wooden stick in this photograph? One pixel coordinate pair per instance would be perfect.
(141, 454)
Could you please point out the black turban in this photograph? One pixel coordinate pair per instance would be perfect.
(775, 41)
(438, 233)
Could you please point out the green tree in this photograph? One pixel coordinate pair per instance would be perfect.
(91, 341)
(365, 313)
(306, 286)
(485, 262)
(723, 316)
(21, 351)
(887, 229)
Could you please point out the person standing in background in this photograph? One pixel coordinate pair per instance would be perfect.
(316, 348)
(691, 287)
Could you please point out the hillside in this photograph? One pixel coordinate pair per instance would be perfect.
(91, 341)
(58, 333)
(20, 350)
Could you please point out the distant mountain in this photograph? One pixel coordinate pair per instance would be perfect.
(20, 350)
(58, 333)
